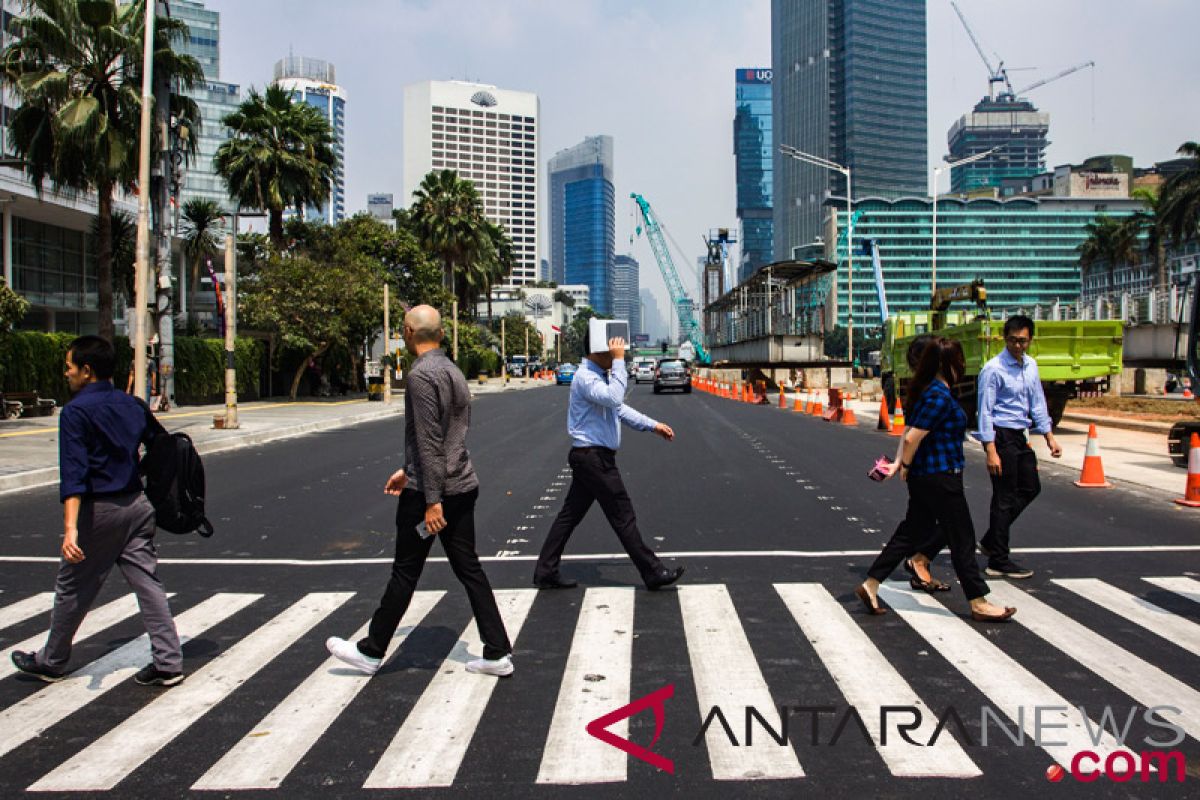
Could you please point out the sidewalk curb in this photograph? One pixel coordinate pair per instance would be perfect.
(1144, 426)
(48, 476)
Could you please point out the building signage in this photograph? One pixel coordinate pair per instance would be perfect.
(752, 75)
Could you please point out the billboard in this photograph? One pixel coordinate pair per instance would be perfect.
(753, 75)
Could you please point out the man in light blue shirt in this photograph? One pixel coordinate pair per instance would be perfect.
(1011, 401)
(597, 409)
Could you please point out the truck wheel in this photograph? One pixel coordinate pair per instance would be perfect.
(1056, 401)
(1177, 441)
(888, 384)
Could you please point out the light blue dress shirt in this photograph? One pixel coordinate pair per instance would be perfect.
(1011, 396)
(598, 406)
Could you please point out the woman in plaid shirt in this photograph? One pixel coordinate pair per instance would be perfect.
(931, 462)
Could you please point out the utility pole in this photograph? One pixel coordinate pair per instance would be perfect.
(162, 183)
(527, 350)
(387, 346)
(142, 268)
(503, 356)
(230, 421)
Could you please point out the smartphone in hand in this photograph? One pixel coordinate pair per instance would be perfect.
(423, 530)
(877, 472)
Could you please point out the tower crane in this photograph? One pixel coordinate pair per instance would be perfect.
(999, 74)
(684, 306)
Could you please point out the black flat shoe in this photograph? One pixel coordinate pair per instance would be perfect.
(555, 582)
(862, 594)
(27, 662)
(663, 578)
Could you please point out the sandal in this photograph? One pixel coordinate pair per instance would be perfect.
(873, 609)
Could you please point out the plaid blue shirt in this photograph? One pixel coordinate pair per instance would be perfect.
(939, 413)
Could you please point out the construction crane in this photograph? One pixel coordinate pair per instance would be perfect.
(998, 74)
(684, 306)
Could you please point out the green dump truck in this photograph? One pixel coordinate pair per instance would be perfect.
(1074, 357)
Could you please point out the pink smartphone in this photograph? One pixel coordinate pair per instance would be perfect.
(877, 473)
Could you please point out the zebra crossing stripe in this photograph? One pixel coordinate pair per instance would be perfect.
(1010, 688)
(869, 682)
(34, 715)
(265, 756)
(596, 681)
(1139, 679)
(1171, 627)
(1184, 587)
(24, 609)
(430, 745)
(97, 620)
(727, 675)
(112, 757)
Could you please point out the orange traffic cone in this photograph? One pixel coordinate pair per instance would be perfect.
(816, 409)
(782, 397)
(848, 417)
(897, 428)
(885, 419)
(1191, 495)
(1092, 476)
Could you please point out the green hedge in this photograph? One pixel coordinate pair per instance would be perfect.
(33, 361)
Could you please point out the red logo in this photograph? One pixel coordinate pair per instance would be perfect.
(656, 700)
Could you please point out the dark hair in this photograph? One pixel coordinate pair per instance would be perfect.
(1019, 322)
(916, 347)
(941, 356)
(94, 352)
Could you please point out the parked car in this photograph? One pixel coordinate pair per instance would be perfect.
(564, 374)
(673, 373)
(643, 370)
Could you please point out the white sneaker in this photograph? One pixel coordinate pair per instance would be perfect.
(348, 651)
(501, 667)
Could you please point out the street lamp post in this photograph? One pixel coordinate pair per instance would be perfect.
(825, 163)
(937, 171)
(142, 267)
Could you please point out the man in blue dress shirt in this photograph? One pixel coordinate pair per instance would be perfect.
(107, 519)
(1011, 401)
(597, 408)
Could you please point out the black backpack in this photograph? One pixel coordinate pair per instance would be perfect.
(174, 481)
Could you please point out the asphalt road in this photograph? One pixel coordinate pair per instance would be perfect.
(775, 520)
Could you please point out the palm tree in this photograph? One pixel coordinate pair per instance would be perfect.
(123, 234)
(1179, 204)
(200, 219)
(1110, 242)
(502, 262)
(281, 156)
(76, 69)
(1150, 224)
(447, 215)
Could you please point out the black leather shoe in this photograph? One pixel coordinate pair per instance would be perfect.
(555, 582)
(27, 662)
(664, 577)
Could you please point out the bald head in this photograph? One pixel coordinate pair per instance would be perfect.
(425, 323)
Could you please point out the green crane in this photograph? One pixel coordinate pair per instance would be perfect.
(684, 306)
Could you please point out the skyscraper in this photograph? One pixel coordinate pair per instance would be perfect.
(215, 99)
(489, 136)
(1013, 125)
(753, 160)
(582, 218)
(849, 85)
(626, 285)
(314, 82)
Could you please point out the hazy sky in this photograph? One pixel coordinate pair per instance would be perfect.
(658, 77)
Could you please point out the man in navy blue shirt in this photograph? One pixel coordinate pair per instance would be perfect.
(107, 519)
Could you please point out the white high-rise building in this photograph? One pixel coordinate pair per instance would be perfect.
(314, 82)
(489, 136)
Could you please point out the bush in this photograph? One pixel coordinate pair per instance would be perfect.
(33, 361)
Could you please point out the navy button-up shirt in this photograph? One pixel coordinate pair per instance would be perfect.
(99, 432)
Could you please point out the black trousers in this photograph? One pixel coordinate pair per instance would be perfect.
(458, 540)
(1012, 490)
(935, 502)
(595, 478)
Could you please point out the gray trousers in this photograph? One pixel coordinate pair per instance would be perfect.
(113, 530)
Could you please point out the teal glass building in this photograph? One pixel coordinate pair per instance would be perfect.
(753, 161)
(1024, 248)
(582, 219)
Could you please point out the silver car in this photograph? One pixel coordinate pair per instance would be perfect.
(673, 373)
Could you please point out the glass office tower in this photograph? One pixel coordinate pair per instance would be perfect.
(626, 303)
(582, 222)
(753, 161)
(849, 85)
(314, 82)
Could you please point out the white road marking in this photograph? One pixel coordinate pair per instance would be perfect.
(1171, 627)
(29, 607)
